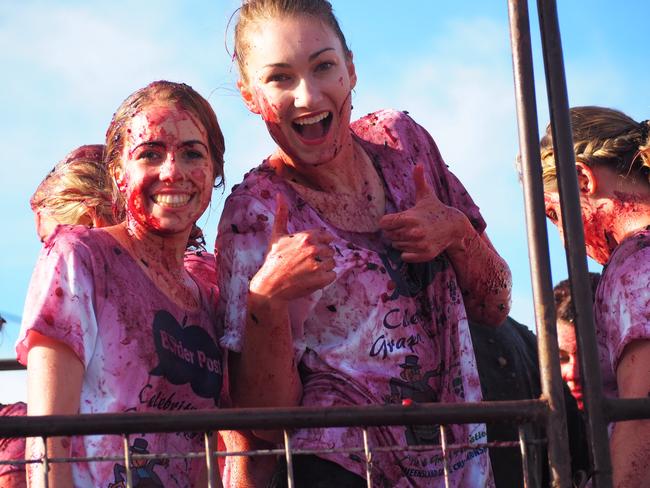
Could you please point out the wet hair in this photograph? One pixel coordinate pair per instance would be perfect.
(77, 186)
(564, 309)
(254, 12)
(602, 137)
(161, 92)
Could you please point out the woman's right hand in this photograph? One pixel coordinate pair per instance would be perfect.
(295, 265)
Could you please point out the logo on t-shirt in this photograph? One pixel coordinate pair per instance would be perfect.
(410, 278)
(187, 354)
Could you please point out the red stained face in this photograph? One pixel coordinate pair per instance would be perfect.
(166, 175)
(596, 224)
(569, 359)
(300, 82)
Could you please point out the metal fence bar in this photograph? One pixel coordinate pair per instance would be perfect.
(540, 267)
(209, 460)
(46, 464)
(368, 452)
(523, 448)
(289, 457)
(127, 461)
(10, 365)
(626, 408)
(445, 455)
(520, 411)
(575, 241)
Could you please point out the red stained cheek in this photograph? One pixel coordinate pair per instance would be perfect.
(268, 111)
(136, 209)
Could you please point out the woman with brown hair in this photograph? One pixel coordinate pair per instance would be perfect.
(113, 321)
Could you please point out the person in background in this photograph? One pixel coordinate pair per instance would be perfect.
(75, 192)
(566, 335)
(612, 155)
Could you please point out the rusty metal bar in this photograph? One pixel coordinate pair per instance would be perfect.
(289, 459)
(626, 408)
(368, 453)
(10, 365)
(127, 461)
(46, 464)
(445, 454)
(523, 449)
(520, 411)
(540, 267)
(209, 460)
(575, 242)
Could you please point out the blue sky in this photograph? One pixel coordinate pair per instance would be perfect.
(67, 65)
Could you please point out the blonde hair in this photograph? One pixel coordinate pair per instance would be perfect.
(602, 136)
(254, 11)
(76, 187)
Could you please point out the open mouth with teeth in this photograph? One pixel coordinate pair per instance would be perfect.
(171, 201)
(313, 128)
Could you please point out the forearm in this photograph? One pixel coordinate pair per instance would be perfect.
(247, 471)
(265, 373)
(59, 474)
(483, 276)
(54, 378)
(630, 451)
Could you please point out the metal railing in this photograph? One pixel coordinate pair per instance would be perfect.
(548, 411)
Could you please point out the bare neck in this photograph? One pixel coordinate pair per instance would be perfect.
(345, 173)
(160, 255)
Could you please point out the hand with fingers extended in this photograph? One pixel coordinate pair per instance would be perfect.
(428, 228)
(295, 265)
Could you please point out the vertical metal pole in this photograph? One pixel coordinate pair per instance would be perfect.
(445, 454)
(287, 453)
(366, 448)
(558, 452)
(46, 464)
(209, 460)
(575, 242)
(127, 461)
(525, 464)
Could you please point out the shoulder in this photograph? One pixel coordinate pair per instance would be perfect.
(71, 240)
(251, 205)
(387, 127)
(201, 265)
(628, 267)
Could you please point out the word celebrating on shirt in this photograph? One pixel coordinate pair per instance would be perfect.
(383, 346)
(440, 471)
(187, 354)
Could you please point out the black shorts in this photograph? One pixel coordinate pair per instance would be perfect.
(313, 472)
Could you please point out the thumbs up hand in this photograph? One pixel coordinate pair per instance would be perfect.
(295, 265)
(428, 228)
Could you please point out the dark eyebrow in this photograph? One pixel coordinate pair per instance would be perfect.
(318, 53)
(149, 144)
(311, 58)
(191, 143)
(162, 144)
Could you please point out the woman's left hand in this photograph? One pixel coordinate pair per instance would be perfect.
(428, 228)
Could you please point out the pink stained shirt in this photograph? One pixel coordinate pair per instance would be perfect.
(141, 352)
(622, 304)
(384, 331)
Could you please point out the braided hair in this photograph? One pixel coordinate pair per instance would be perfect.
(602, 137)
